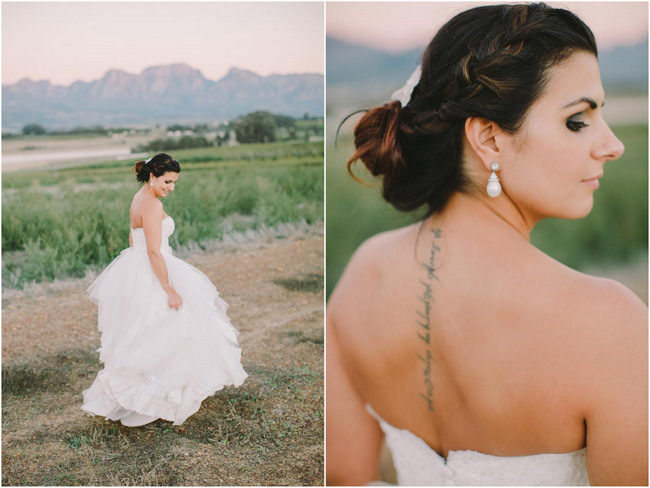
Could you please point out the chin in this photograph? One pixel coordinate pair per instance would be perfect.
(579, 210)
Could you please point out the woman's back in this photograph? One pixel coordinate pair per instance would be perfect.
(462, 333)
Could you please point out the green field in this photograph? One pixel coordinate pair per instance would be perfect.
(61, 223)
(615, 232)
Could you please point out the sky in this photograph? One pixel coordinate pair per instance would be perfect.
(68, 41)
(400, 26)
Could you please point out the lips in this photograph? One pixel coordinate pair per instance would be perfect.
(593, 182)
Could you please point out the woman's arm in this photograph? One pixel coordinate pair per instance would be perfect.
(353, 437)
(152, 225)
(617, 392)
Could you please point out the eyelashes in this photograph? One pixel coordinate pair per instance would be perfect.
(575, 125)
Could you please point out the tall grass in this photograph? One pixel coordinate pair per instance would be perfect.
(58, 224)
(616, 231)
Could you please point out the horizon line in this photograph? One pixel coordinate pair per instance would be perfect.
(645, 41)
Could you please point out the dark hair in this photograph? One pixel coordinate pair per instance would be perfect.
(490, 62)
(157, 165)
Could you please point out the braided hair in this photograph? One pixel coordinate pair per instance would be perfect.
(491, 62)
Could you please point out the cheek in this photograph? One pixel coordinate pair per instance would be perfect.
(548, 155)
(531, 162)
(534, 178)
(548, 185)
(543, 173)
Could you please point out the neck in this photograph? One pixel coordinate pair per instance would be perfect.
(500, 211)
(149, 190)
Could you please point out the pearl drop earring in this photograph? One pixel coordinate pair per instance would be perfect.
(150, 182)
(493, 186)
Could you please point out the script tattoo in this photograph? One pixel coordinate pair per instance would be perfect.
(424, 319)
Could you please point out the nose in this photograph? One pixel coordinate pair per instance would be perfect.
(609, 147)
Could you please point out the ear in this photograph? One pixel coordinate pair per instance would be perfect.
(484, 137)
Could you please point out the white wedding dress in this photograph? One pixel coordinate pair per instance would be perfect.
(417, 464)
(159, 362)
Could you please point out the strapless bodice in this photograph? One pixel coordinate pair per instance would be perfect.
(139, 241)
(417, 464)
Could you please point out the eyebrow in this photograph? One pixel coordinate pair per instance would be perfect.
(592, 103)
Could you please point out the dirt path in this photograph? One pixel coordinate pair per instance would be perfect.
(267, 432)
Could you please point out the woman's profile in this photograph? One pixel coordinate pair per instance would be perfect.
(166, 341)
(476, 357)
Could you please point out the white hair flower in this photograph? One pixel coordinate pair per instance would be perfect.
(404, 93)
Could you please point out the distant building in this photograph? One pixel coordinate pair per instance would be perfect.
(232, 138)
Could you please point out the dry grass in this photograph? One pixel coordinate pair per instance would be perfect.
(267, 432)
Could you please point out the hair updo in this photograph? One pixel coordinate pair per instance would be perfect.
(157, 166)
(490, 62)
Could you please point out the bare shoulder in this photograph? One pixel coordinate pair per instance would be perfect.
(597, 326)
(151, 205)
(372, 253)
(609, 337)
(607, 306)
(374, 250)
(617, 318)
(589, 301)
(143, 208)
(604, 317)
(366, 268)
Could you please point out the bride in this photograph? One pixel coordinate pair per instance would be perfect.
(166, 343)
(479, 359)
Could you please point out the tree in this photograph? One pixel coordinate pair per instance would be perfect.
(34, 130)
(256, 127)
(284, 121)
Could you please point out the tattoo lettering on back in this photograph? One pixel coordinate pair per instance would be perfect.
(423, 319)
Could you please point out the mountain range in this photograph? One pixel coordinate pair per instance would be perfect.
(180, 94)
(175, 93)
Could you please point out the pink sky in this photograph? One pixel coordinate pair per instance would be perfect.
(68, 41)
(399, 26)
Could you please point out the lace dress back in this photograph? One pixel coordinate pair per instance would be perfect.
(417, 464)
